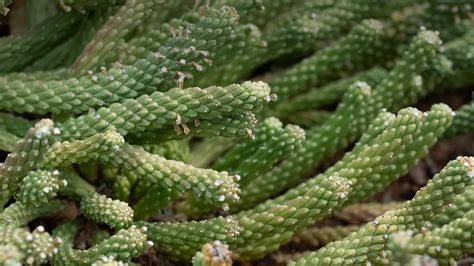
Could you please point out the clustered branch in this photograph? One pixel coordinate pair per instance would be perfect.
(144, 125)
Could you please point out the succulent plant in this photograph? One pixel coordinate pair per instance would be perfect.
(197, 131)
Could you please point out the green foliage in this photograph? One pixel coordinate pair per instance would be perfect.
(463, 122)
(39, 187)
(114, 213)
(368, 243)
(215, 254)
(132, 123)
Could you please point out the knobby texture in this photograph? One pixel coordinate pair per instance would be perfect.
(137, 132)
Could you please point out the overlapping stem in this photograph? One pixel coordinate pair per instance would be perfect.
(18, 214)
(296, 32)
(64, 55)
(356, 96)
(256, 156)
(325, 63)
(409, 133)
(266, 229)
(328, 94)
(35, 247)
(252, 157)
(31, 247)
(370, 241)
(117, 27)
(460, 206)
(17, 52)
(65, 153)
(174, 108)
(158, 70)
(124, 245)
(348, 165)
(447, 243)
(401, 87)
(260, 227)
(27, 154)
(215, 187)
(14, 124)
(208, 150)
(168, 236)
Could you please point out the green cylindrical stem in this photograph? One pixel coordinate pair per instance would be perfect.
(435, 123)
(463, 122)
(173, 150)
(401, 87)
(36, 247)
(317, 68)
(114, 213)
(75, 152)
(28, 153)
(124, 245)
(39, 187)
(77, 187)
(254, 157)
(446, 244)
(156, 198)
(215, 187)
(328, 94)
(460, 206)
(266, 229)
(176, 107)
(18, 214)
(113, 32)
(157, 70)
(255, 234)
(206, 151)
(14, 124)
(235, 126)
(7, 140)
(17, 52)
(369, 242)
(64, 54)
(260, 186)
(180, 241)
